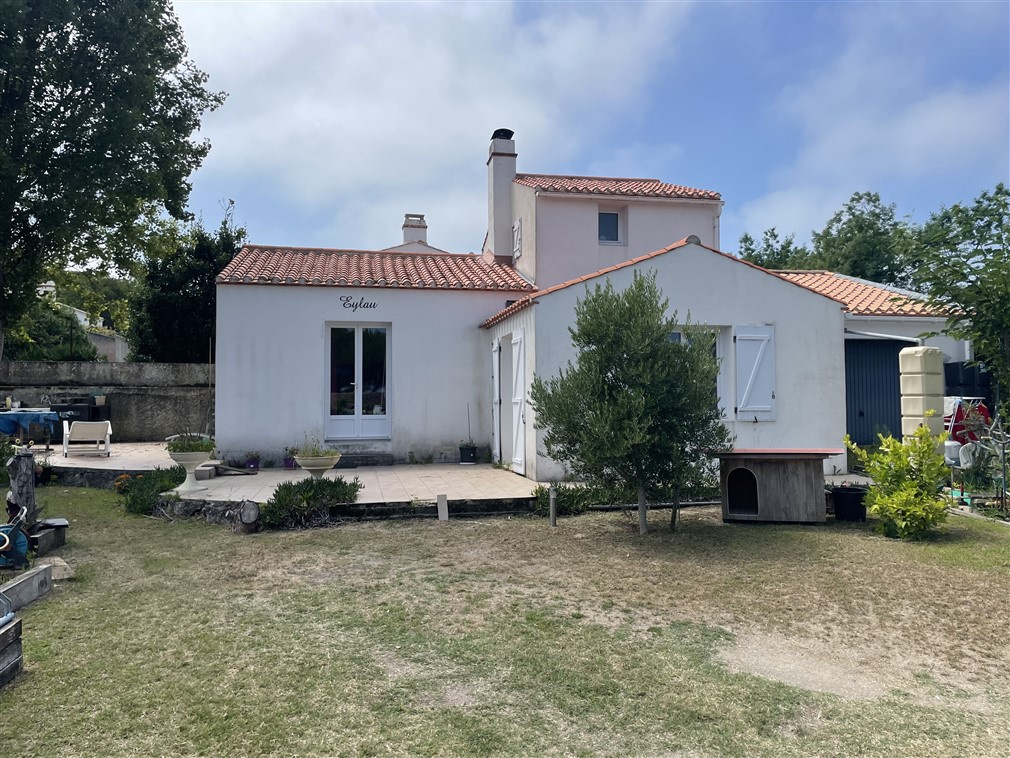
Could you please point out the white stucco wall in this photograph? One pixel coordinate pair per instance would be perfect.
(720, 292)
(524, 205)
(953, 350)
(567, 231)
(272, 377)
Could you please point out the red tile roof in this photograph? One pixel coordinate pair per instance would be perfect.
(861, 297)
(601, 185)
(257, 264)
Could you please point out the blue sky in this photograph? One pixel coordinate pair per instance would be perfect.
(341, 117)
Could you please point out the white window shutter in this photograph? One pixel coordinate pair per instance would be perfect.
(755, 373)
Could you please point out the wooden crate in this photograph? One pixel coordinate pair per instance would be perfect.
(11, 660)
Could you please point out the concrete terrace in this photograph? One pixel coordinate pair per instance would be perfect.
(381, 484)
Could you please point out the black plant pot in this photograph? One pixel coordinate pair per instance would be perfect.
(849, 503)
(467, 453)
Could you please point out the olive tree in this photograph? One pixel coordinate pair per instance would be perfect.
(638, 408)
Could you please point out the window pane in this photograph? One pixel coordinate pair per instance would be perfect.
(608, 227)
(373, 371)
(341, 372)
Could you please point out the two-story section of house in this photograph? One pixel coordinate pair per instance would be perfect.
(557, 228)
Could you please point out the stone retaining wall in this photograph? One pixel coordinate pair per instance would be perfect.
(146, 401)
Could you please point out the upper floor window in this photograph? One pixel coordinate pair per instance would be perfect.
(610, 226)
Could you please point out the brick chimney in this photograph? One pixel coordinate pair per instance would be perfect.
(414, 228)
(501, 170)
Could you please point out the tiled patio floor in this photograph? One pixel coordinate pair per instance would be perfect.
(382, 484)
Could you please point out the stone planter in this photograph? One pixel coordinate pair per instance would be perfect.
(189, 461)
(317, 466)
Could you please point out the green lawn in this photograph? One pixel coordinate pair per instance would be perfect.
(504, 637)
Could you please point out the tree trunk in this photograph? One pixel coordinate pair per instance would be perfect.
(21, 468)
(643, 512)
(2, 333)
(248, 518)
(675, 511)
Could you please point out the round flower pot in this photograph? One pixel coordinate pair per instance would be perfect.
(317, 466)
(849, 503)
(189, 461)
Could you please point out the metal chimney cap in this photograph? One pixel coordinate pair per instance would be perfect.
(502, 134)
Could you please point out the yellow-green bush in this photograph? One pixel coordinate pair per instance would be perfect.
(908, 477)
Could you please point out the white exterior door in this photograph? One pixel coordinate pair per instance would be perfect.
(495, 401)
(518, 404)
(755, 373)
(358, 382)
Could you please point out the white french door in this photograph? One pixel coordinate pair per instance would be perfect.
(518, 404)
(358, 382)
(495, 401)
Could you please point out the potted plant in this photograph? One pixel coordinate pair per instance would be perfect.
(467, 451)
(252, 460)
(315, 457)
(467, 448)
(189, 450)
(848, 502)
(289, 457)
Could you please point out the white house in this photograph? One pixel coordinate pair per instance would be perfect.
(402, 353)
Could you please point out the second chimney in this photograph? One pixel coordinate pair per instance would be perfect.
(414, 228)
(501, 170)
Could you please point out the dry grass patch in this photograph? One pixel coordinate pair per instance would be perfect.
(504, 637)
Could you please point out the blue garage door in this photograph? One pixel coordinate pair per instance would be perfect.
(872, 389)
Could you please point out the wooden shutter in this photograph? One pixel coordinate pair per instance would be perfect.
(755, 373)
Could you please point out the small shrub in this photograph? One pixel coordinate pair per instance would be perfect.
(908, 478)
(190, 443)
(140, 492)
(313, 447)
(307, 502)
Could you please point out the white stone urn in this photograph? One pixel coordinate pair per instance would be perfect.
(317, 465)
(190, 461)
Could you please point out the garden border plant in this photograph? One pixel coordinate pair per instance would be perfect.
(908, 478)
(306, 503)
(140, 492)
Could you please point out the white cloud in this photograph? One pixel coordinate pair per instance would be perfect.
(874, 115)
(347, 115)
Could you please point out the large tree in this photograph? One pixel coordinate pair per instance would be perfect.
(775, 253)
(174, 305)
(962, 265)
(638, 409)
(865, 239)
(98, 103)
(49, 331)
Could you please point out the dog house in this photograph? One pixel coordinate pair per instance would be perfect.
(783, 486)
